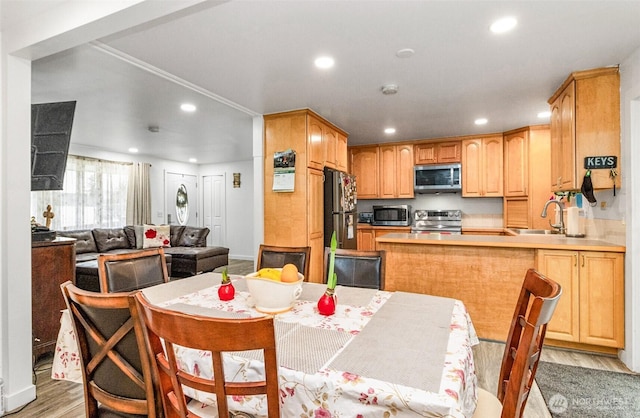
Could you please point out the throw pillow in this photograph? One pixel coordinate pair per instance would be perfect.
(194, 237)
(156, 236)
(139, 234)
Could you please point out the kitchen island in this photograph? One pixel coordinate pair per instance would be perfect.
(486, 273)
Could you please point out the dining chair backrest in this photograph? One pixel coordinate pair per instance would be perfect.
(536, 304)
(275, 256)
(116, 371)
(158, 326)
(132, 271)
(357, 268)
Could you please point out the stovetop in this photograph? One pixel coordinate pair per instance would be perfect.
(437, 221)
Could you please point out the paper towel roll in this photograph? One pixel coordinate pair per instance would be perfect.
(573, 220)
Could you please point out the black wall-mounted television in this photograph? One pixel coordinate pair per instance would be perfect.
(50, 135)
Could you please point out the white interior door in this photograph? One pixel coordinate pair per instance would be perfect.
(213, 207)
(180, 187)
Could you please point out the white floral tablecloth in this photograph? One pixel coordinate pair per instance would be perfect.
(325, 392)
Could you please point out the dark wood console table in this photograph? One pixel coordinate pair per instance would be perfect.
(52, 263)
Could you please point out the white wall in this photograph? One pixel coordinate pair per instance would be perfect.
(64, 25)
(630, 148)
(239, 206)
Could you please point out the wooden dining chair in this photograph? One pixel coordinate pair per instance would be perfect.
(538, 299)
(158, 326)
(274, 256)
(357, 268)
(116, 371)
(132, 271)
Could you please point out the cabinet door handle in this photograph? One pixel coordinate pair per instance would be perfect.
(576, 262)
(583, 261)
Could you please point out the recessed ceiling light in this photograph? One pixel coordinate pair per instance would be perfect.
(188, 107)
(481, 121)
(133, 150)
(390, 131)
(405, 53)
(193, 160)
(544, 114)
(324, 62)
(503, 25)
(389, 89)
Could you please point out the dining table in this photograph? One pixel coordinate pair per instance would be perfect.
(381, 353)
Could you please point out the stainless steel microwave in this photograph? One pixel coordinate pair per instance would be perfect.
(397, 215)
(437, 178)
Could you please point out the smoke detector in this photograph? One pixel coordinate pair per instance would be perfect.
(389, 89)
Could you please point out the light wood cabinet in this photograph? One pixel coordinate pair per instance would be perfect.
(327, 146)
(404, 178)
(585, 122)
(296, 219)
(315, 146)
(387, 172)
(341, 153)
(482, 167)
(437, 152)
(367, 235)
(383, 172)
(591, 308)
(364, 165)
(527, 157)
(366, 238)
(516, 163)
(396, 171)
(315, 220)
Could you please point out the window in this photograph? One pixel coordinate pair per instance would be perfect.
(94, 196)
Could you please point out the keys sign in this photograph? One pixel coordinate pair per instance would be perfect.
(609, 161)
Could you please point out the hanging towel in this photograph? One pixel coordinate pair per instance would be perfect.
(587, 189)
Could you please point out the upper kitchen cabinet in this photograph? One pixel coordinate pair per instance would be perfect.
(437, 152)
(327, 145)
(526, 176)
(396, 171)
(482, 166)
(341, 153)
(364, 165)
(585, 122)
(383, 172)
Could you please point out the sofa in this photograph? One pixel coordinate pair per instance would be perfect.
(185, 249)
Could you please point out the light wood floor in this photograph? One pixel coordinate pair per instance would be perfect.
(57, 398)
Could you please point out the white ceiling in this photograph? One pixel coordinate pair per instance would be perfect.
(243, 58)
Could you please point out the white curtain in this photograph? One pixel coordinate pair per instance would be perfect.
(94, 196)
(139, 196)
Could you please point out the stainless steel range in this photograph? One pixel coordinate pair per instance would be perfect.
(442, 221)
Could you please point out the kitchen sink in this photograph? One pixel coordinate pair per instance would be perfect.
(534, 231)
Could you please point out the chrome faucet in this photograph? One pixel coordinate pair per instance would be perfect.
(560, 226)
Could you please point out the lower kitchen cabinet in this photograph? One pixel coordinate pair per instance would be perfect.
(591, 308)
(366, 238)
(367, 235)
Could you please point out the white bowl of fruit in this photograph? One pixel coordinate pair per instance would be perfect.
(275, 290)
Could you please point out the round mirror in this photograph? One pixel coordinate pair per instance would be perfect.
(182, 205)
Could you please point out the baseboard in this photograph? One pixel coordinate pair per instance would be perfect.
(240, 257)
(16, 400)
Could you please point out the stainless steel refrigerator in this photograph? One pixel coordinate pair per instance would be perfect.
(340, 208)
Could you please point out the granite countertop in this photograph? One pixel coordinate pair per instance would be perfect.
(551, 242)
